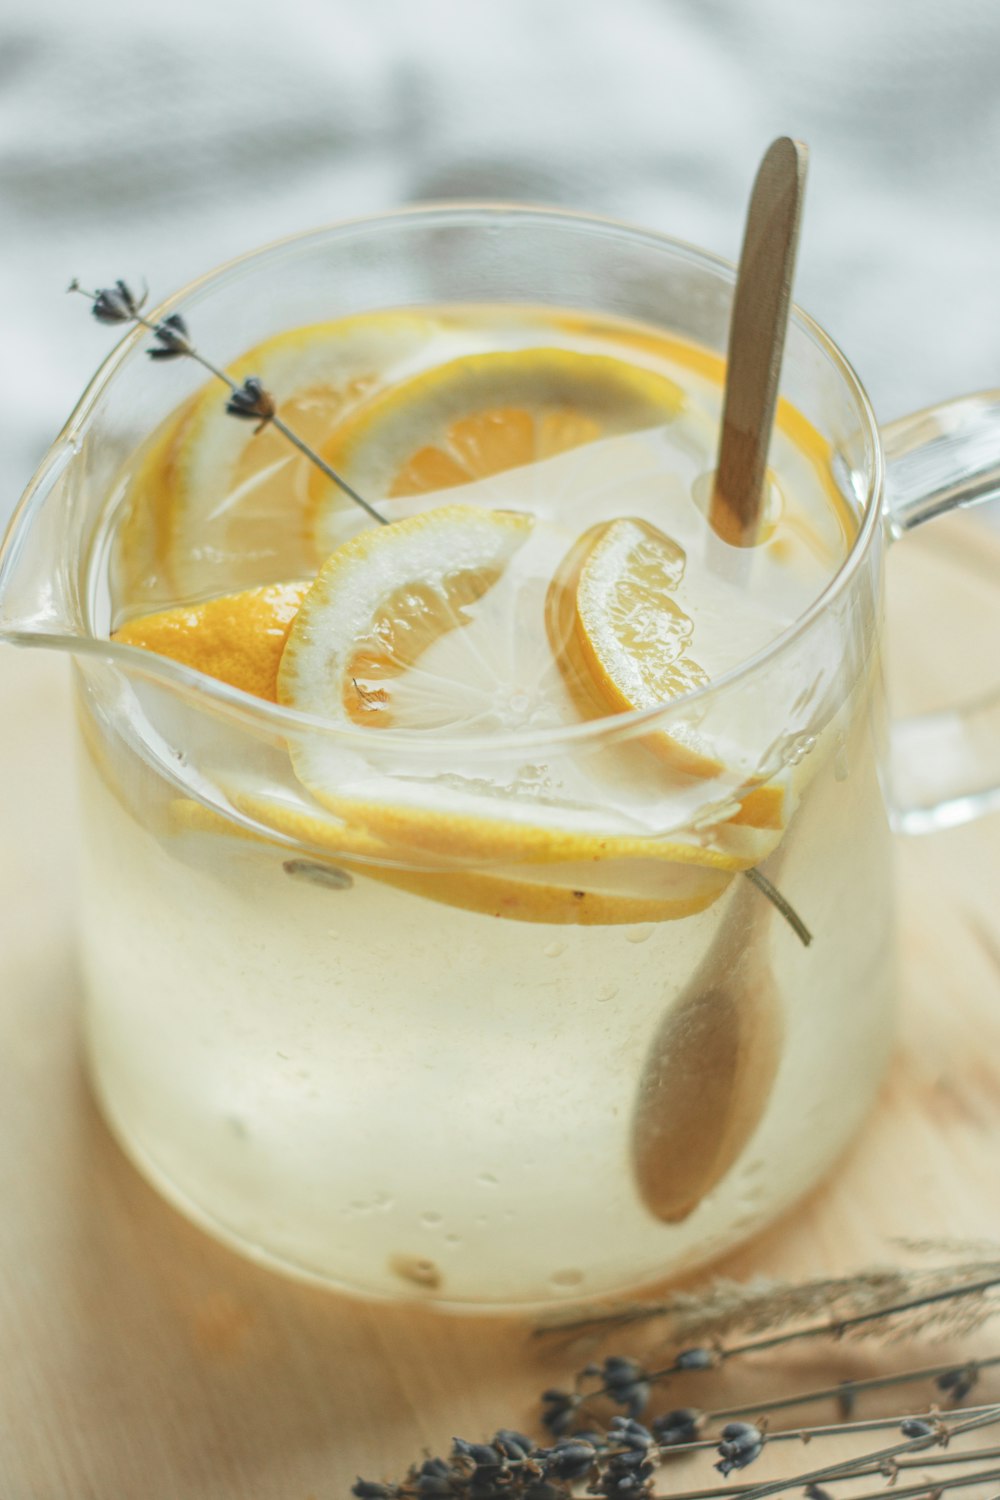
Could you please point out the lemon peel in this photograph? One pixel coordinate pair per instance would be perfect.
(510, 896)
(236, 638)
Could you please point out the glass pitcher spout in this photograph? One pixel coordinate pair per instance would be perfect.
(41, 601)
(53, 584)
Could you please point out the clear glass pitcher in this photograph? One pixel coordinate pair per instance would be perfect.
(414, 1066)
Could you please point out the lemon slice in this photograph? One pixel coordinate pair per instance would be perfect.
(620, 639)
(237, 638)
(380, 600)
(380, 606)
(607, 893)
(623, 642)
(473, 417)
(236, 503)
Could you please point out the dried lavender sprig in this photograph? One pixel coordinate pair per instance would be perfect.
(927, 1487)
(956, 1482)
(621, 1466)
(901, 1465)
(837, 1327)
(923, 1434)
(828, 1328)
(781, 903)
(940, 1435)
(710, 1358)
(972, 1414)
(848, 1389)
(250, 400)
(954, 1380)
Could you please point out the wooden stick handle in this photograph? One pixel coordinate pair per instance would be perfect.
(757, 340)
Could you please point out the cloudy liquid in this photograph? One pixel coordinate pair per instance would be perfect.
(372, 1085)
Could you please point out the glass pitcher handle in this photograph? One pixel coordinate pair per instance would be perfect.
(945, 766)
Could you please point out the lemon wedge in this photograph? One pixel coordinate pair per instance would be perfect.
(237, 638)
(623, 642)
(620, 639)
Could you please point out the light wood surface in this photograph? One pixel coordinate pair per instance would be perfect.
(140, 1359)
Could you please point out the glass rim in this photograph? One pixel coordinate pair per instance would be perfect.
(235, 702)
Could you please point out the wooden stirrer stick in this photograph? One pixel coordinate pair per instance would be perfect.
(757, 340)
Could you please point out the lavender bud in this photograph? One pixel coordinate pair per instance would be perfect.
(569, 1460)
(513, 1444)
(958, 1383)
(114, 304)
(846, 1400)
(628, 1476)
(678, 1426)
(741, 1443)
(366, 1489)
(558, 1411)
(695, 1359)
(627, 1383)
(630, 1433)
(632, 1461)
(434, 1478)
(252, 402)
(172, 338)
(483, 1455)
(916, 1427)
(597, 1440)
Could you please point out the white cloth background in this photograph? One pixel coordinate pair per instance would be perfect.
(152, 141)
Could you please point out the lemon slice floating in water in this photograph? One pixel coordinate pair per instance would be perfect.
(237, 638)
(381, 606)
(482, 414)
(217, 499)
(380, 601)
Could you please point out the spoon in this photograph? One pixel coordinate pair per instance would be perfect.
(708, 1073)
(757, 340)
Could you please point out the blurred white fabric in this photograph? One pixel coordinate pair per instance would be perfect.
(151, 142)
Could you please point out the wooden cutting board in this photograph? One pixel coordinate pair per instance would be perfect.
(140, 1359)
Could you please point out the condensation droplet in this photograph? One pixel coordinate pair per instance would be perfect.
(841, 761)
(453, 1239)
(416, 1269)
(568, 1277)
(554, 950)
(324, 875)
(430, 1220)
(799, 747)
(487, 1179)
(639, 934)
(607, 992)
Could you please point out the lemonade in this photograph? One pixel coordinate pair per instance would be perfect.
(452, 981)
